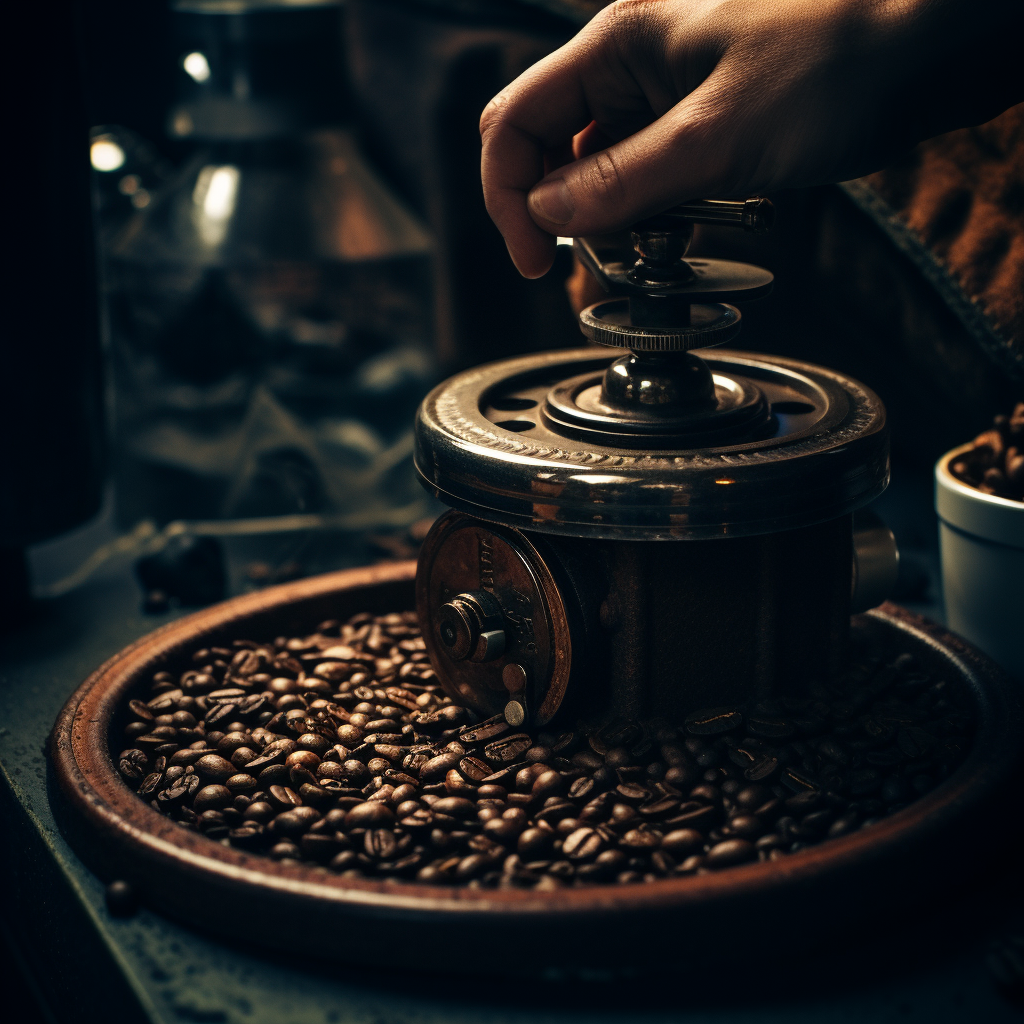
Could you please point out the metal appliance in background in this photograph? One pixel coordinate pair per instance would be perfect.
(421, 73)
(648, 530)
(270, 308)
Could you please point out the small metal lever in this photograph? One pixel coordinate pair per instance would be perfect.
(756, 214)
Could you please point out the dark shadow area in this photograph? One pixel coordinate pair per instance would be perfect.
(21, 1004)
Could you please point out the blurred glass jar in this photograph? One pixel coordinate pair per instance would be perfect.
(269, 309)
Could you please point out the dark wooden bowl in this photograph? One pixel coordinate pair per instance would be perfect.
(912, 855)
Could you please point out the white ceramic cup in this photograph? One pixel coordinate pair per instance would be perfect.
(981, 539)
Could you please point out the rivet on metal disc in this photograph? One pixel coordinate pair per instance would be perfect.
(515, 713)
(513, 675)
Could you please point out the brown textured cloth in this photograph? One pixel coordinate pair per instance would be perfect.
(956, 205)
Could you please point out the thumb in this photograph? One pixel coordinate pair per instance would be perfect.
(683, 155)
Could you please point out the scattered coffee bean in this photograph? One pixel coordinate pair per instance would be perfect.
(121, 899)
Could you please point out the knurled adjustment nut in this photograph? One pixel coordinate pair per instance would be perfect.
(608, 323)
(471, 626)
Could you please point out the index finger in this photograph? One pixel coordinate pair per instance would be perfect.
(542, 109)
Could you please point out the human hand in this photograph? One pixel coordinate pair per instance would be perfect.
(658, 101)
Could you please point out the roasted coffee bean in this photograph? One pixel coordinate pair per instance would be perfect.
(295, 821)
(732, 851)
(707, 794)
(713, 721)
(556, 811)
(316, 752)
(507, 749)
(682, 842)
(637, 840)
(587, 760)
(610, 862)
(212, 766)
(623, 817)
(259, 810)
(534, 842)
(284, 797)
(212, 798)
(842, 826)
(583, 844)
(242, 757)
(770, 726)
(745, 826)
(455, 807)
(694, 815)
(272, 775)
(221, 713)
(503, 830)
(380, 843)
(133, 765)
(473, 769)
(141, 711)
(302, 759)
(150, 784)
(763, 768)
(121, 899)
(662, 863)
(438, 767)
(484, 732)
(242, 782)
(803, 803)
(632, 793)
(618, 757)
(656, 809)
(797, 782)
(548, 783)
(582, 789)
(682, 776)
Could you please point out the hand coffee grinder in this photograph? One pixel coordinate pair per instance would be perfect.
(652, 531)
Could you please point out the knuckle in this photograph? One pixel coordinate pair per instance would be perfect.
(620, 21)
(607, 180)
(493, 114)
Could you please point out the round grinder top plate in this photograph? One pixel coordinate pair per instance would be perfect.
(491, 442)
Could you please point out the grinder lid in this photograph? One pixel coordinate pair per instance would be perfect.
(660, 443)
(496, 441)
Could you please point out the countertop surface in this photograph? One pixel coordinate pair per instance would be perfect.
(85, 964)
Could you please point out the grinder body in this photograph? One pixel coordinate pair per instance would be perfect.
(649, 534)
(637, 629)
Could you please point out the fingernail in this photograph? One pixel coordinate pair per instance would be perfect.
(551, 201)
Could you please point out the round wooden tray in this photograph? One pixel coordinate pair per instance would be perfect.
(918, 852)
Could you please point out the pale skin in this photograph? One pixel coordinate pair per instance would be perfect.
(658, 101)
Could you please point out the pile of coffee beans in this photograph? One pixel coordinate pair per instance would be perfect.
(995, 463)
(341, 749)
